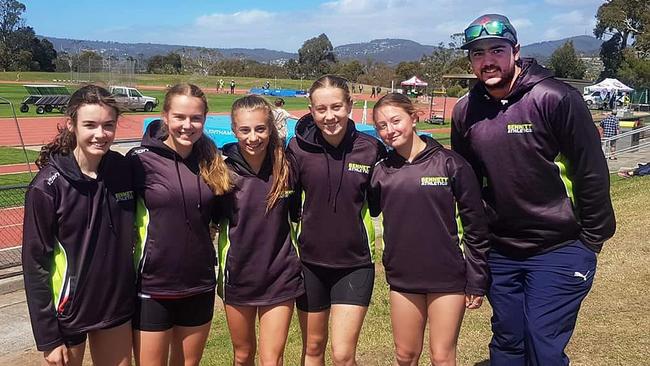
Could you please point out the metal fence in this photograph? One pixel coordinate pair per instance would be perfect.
(107, 71)
(635, 141)
(11, 228)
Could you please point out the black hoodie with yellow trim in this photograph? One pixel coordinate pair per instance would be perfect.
(538, 155)
(259, 265)
(77, 249)
(335, 228)
(435, 229)
(174, 253)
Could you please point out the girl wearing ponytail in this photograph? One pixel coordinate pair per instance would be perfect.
(260, 273)
(178, 176)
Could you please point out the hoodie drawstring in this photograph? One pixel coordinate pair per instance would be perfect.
(338, 188)
(332, 200)
(180, 182)
(110, 213)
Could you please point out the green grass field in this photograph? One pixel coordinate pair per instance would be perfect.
(208, 82)
(218, 103)
(12, 191)
(608, 327)
(10, 155)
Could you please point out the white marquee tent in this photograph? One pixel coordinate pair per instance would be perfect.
(414, 81)
(609, 85)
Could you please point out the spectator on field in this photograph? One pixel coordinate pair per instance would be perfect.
(611, 128)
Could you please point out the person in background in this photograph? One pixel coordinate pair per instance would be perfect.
(611, 127)
(536, 154)
(280, 116)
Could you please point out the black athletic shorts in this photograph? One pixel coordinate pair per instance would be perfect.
(156, 315)
(326, 286)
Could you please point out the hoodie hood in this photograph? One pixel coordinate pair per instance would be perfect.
(153, 140)
(68, 167)
(238, 164)
(311, 139)
(531, 74)
(395, 160)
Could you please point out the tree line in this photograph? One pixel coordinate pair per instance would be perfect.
(625, 54)
(20, 49)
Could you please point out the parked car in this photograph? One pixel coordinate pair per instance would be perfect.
(131, 98)
(595, 99)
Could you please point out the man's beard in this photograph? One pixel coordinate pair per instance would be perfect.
(506, 79)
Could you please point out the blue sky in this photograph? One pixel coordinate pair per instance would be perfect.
(285, 24)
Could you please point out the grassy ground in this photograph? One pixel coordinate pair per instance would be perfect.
(216, 102)
(611, 322)
(10, 155)
(209, 82)
(13, 197)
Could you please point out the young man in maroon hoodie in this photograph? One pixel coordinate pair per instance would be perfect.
(535, 149)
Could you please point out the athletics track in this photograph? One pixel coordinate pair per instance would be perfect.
(37, 131)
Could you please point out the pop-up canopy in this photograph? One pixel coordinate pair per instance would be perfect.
(609, 84)
(414, 81)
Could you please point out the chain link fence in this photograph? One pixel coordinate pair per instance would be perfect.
(105, 71)
(11, 228)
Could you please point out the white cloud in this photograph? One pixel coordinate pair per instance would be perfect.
(239, 18)
(574, 3)
(351, 6)
(573, 17)
(354, 21)
(521, 23)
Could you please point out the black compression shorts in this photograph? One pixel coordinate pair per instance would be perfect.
(156, 315)
(326, 286)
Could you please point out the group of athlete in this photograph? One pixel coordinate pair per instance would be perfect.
(294, 227)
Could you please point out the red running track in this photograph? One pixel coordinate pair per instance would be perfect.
(41, 130)
(11, 227)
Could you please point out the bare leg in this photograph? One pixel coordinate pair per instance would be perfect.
(346, 327)
(241, 323)
(111, 347)
(151, 348)
(314, 336)
(445, 317)
(187, 344)
(274, 329)
(408, 315)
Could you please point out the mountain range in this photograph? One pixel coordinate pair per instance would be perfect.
(390, 51)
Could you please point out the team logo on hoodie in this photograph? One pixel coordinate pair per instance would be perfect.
(519, 128)
(124, 196)
(359, 168)
(434, 181)
(287, 193)
(52, 178)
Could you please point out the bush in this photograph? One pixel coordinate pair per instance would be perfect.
(456, 91)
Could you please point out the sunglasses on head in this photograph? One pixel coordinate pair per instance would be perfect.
(493, 28)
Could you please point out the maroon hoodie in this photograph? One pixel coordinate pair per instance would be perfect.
(174, 254)
(77, 249)
(435, 230)
(259, 265)
(335, 229)
(537, 154)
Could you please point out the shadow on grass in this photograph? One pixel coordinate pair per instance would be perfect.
(483, 363)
